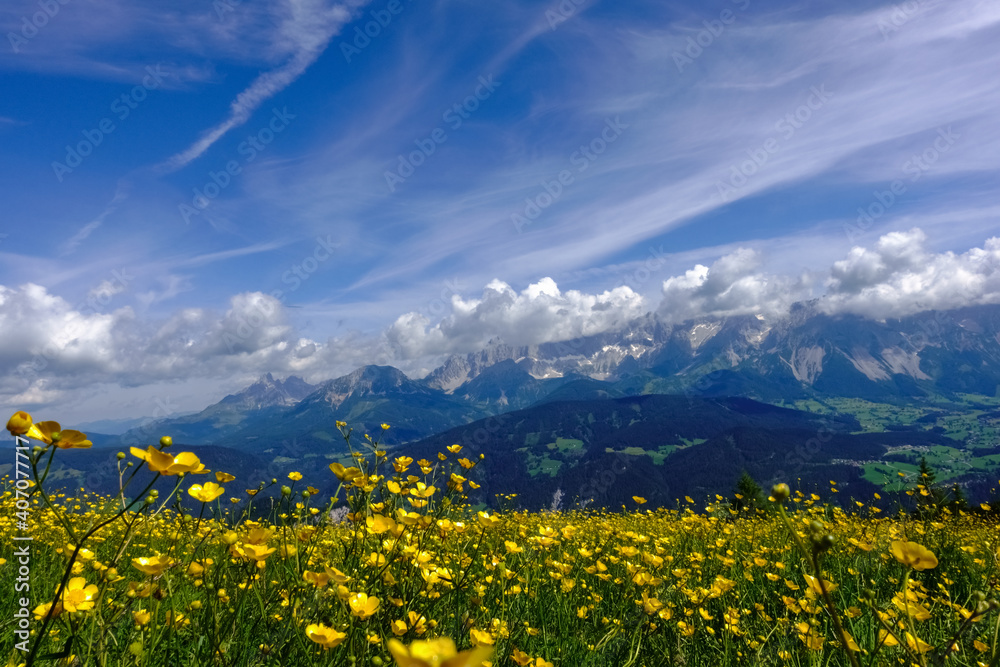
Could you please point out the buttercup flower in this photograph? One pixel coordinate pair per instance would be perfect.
(363, 606)
(21, 424)
(207, 493)
(78, 596)
(70, 439)
(152, 566)
(324, 636)
(914, 555)
(165, 464)
(440, 652)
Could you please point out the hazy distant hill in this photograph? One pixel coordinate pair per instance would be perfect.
(256, 404)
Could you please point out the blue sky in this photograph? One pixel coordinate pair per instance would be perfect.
(196, 192)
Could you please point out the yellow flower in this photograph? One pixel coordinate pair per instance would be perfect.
(169, 465)
(19, 423)
(814, 585)
(207, 493)
(223, 477)
(440, 652)
(44, 431)
(378, 524)
(454, 449)
(402, 463)
(885, 638)
(385, 427)
(141, 616)
(398, 628)
(336, 575)
(257, 552)
(916, 611)
(639, 500)
(917, 644)
(363, 606)
(324, 636)
(345, 474)
(914, 555)
(295, 476)
(480, 637)
(176, 619)
(197, 568)
(71, 439)
(423, 491)
(78, 596)
(152, 566)
(851, 644)
(317, 579)
(42, 610)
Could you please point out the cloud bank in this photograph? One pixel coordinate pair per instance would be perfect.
(48, 347)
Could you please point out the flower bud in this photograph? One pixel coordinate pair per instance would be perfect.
(166, 441)
(781, 492)
(825, 543)
(120, 455)
(286, 491)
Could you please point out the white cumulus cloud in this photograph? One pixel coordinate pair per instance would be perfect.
(540, 313)
(733, 285)
(899, 277)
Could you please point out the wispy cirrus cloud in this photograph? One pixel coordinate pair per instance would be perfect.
(309, 27)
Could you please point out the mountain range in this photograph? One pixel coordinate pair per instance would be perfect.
(933, 360)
